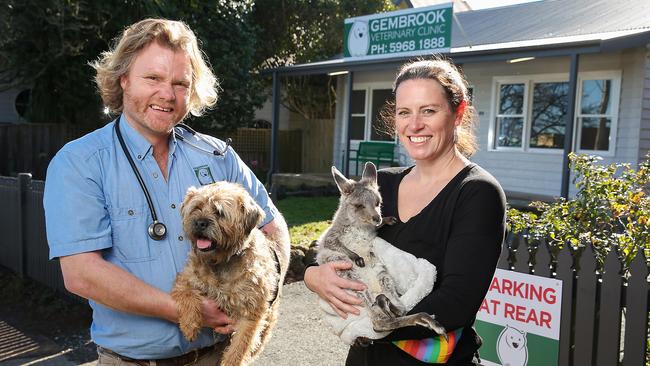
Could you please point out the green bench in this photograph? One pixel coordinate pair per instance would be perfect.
(376, 152)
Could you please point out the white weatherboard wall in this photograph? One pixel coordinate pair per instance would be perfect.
(539, 172)
(644, 143)
(8, 112)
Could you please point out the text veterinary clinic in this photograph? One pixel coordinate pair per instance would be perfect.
(406, 28)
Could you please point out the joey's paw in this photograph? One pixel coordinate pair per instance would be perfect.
(359, 261)
(386, 306)
(429, 321)
(362, 342)
(389, 220)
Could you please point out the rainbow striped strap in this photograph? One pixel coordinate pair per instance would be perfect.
(431, 350)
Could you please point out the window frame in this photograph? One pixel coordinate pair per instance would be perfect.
(615, 98)
(369, 87)
(496, 100)
(364, 114)
(529, 81)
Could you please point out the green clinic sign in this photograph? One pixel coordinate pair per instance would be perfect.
(417, 31)
(519, 320)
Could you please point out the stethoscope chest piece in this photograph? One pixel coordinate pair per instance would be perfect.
(157, 230)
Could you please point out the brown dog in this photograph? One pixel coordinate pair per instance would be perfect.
(233, 263)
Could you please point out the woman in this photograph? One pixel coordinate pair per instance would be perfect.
(450, 212)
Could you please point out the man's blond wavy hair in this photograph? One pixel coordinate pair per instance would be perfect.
(176, 35)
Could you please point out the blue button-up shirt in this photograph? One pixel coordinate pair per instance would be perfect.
(93, 202)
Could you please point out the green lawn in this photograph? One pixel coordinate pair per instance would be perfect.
(307, 217)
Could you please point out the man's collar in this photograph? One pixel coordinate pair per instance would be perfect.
(137, 143)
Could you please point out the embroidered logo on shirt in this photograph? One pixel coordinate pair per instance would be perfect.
(204, 175)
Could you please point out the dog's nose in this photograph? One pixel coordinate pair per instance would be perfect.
(201, 224)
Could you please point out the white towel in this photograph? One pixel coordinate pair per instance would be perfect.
(414, 278)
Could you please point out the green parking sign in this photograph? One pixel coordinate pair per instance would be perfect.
(417, 31)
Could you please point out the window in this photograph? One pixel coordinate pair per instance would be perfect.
(595, 114)
(531, 112)
(377, 129)
(358, 120)
(366, 123)
(549, 112)
(510, 117)
(22, 102)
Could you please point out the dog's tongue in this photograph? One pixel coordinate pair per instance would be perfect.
(203, 243)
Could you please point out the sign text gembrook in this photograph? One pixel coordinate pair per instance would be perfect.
(417, 31)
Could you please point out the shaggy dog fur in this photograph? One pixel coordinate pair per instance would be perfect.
(231, 262)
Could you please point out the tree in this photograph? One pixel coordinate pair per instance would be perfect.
(46, 45)
(301, 31)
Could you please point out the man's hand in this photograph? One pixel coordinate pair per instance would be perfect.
(215, 318)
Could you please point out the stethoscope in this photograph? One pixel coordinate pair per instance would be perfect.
(157, 230)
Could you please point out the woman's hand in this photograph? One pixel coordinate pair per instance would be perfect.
(324, 281)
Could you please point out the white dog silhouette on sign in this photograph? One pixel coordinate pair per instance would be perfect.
(358, 39)
(511, 347)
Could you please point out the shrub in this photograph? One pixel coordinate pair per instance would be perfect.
(611, 210)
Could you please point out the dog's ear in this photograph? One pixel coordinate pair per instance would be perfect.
(344, 184)
(191, 192)
(369, 172)
(253, 214)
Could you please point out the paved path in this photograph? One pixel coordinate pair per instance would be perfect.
(300, 338)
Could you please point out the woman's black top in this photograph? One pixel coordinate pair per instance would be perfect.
(460, 232)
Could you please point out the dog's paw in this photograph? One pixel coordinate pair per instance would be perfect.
(189, 332)
(429, 321)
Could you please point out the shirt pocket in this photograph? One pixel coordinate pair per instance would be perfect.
(131, 241)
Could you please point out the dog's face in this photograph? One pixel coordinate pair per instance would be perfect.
(514, 338)
(218, 218)
(359, 30)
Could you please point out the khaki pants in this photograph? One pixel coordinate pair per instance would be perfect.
(210, 359)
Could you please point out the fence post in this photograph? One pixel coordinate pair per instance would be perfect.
(24, 185)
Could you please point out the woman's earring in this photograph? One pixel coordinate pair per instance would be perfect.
(455, 135)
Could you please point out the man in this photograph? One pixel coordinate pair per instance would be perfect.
(98, 214)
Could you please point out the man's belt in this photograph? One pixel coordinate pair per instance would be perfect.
(184, 359)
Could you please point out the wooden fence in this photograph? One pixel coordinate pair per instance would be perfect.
(317, 144)
(604, 311)
(29, 147)
(23, 245)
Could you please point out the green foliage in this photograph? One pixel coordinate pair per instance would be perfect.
(46, 45)
(301, 31)
(611, 210)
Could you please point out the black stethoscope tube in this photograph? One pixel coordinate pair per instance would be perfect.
(158, 230)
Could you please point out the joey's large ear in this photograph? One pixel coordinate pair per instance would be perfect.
(344, 184)
(369, 172)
